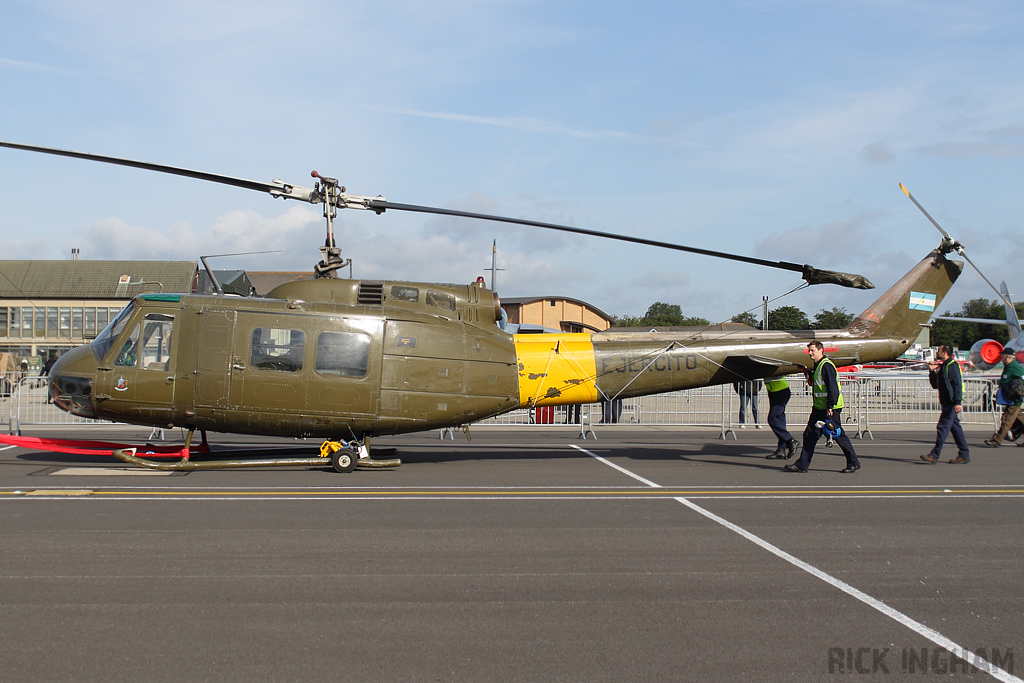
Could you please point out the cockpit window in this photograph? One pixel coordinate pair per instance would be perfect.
(101, 345)
(440, 300)
(405, 293)
(156, 340)
(128, 356)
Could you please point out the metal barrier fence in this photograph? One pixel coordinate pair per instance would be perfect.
(27, 405)
(870, 400)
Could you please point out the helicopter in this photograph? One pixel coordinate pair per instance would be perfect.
(349, 360)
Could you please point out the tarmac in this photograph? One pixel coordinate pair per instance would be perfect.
(523, 554)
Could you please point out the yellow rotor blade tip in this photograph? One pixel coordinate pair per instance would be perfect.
(905, 190)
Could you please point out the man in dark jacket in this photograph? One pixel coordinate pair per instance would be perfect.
(945, 376)
(1012, 370)
(45, 372)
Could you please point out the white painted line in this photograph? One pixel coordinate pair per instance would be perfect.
(7, 448)
(108, 472)
(620, 469)
(914, 625)
(59, 492)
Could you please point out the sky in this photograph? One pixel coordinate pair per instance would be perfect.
(778, 129)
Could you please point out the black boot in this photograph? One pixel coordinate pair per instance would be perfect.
(792, 448)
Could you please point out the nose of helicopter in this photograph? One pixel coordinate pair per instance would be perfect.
(71, 379)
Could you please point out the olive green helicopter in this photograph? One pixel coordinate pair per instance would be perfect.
(347, 360)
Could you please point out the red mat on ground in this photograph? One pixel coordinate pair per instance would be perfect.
(90, 447)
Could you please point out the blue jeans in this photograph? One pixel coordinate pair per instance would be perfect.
(949, 421)
(743, 407)
(812, 434)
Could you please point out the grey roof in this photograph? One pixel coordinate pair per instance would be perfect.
(266, 280)
(93, 279)
(231, 282)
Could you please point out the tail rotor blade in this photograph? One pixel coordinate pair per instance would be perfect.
(957, 246)
(926, 214)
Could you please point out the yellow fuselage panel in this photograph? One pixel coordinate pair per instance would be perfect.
(556, 369)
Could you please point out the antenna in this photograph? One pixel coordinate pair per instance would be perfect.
(494, 265)
(209, 272)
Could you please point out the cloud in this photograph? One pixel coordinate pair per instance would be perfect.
(839, 239)
(539, 126)
(878, 153)
(1012, 131)
(15, 65)
(966, 150)
(233, 232)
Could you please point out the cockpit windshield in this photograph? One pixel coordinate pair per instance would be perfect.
(101, 345)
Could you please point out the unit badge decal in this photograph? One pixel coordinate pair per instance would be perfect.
(122, 384)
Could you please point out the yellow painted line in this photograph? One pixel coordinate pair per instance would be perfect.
(646, 492)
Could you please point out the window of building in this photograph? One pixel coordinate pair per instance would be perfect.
(342, 353)
(65, 323)
(277, 349)
(90, 323)
(3, 321)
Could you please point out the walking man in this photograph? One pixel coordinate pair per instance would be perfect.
(748, 390)
(945, 376)
(778, 397)
(827, 406)
(1012, 375)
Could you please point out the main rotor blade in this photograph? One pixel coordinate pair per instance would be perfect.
(173, 170)
(279, 189)
(809, 273)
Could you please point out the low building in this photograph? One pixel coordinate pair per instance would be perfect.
(53, 306)
(555, 313)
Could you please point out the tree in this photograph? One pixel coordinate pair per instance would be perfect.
(836, 319)
(747, 318)
(663, 315)
(962, 335)
(625, 321)
(788, 318)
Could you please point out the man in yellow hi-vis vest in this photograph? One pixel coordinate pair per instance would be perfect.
(827, 407)
(778, 397)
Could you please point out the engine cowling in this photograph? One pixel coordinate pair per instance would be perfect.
(985, 354)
